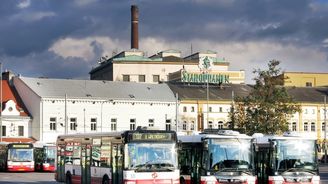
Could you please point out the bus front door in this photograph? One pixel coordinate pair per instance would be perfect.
(117, 160)
(60, 170)
(85, 163)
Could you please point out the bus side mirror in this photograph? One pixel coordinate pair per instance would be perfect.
(179, 145)
(205, 144)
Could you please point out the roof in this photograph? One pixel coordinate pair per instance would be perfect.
(9, 93)
(308, 94)
(14, 139)
(216, 92)
(96, 89)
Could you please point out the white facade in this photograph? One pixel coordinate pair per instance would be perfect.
(149, 69)
(16, 126)
(93, 114)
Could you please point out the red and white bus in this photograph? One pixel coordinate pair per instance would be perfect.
(129, 157)
(216, 157)
(291, 158)
(45, 155)
(16, 157)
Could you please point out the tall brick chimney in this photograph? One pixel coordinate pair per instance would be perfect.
(134, 27)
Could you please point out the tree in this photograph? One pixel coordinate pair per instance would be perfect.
(268, 106)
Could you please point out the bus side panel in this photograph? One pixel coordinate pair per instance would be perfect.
(98, 173)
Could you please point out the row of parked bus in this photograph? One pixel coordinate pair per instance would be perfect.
(27, 157)
(212, 157)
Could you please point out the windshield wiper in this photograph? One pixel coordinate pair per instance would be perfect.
(299, 169)
(155, 166)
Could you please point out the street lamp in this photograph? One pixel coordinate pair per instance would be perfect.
(205, 64)
(325, 133)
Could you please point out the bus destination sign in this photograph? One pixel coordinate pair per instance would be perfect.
(21, 146)
(151, 136)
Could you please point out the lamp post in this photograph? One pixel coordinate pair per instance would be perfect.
(205, 64)
(325, 133)
(1, 102)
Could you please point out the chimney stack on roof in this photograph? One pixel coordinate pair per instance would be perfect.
(134, 27)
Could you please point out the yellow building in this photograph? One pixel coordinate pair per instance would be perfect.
(305, 79)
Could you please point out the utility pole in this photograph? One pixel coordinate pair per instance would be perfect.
(324, 117)
(66, 126)
(176, 112)
(1, 102)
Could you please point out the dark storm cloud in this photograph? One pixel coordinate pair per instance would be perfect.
(20, 35)
(27, 32)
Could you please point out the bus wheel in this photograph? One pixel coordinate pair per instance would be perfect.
(182, 181)
(105, 180)
(68, 179)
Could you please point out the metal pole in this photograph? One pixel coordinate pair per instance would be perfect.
(84, 119)
(1, 102)
(66, 126)
(207, 95)
(176, 112)
(325, 140)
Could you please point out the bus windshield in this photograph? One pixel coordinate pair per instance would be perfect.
(151, 156)
(295, 154)
(20, 155)
(230, 154)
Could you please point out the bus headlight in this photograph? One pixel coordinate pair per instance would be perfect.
(316, 179)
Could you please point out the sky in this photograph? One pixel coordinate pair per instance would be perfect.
(65, 38)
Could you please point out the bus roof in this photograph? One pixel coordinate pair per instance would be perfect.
(200, 137)
(261, 138)
(98, 134)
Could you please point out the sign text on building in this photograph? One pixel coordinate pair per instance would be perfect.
(204, 77)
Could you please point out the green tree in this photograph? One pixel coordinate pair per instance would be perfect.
(268, 106)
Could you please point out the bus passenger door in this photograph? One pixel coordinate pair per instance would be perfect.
(117, 163)
(85, 163)
(60, 170)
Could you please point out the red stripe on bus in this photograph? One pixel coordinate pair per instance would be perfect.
(152, 181)
(76, 179)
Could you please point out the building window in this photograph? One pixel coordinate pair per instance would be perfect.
(73, 124)
(210, 124)
(230, 125)
(155, 78)
(132, 124)
(151, 122)
(308, 84)
(184, 109)
(93, 124)
(313, 111)
(220, 109)
(184, 125)
(220, 125)
(305, 126)
(312, 127)
(192, 109)
(305, 111)
(192, 125)
(294, 126)
(113, 124)
(20, 130)
(53, 123)
(209, 109)
(168, 124)
(142, 78)
(323, 127)
(4, 131)
(126, 78)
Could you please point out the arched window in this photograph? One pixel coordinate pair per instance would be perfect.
(305, 126)
(192, 125)
(323, 127)
(184, 125)
(220, 125)
(210, 124)
(294, 126)
(312, 127)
